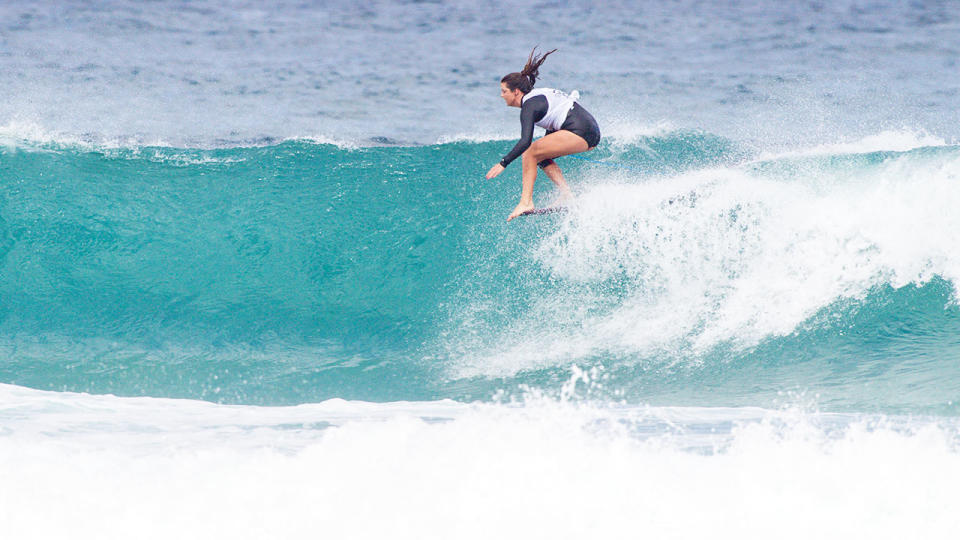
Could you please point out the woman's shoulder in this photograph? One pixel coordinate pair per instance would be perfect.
(540, 91)
(536, 93)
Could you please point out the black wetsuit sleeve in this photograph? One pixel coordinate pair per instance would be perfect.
(532, 111)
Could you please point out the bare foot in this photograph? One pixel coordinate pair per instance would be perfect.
(521, 208)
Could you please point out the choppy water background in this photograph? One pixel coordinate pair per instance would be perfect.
(222, 73)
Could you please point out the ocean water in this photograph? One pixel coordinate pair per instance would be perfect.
(253, 283)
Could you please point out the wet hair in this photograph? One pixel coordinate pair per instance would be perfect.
(525, 79)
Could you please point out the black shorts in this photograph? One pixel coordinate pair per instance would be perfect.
(582, 123)
(578, 122)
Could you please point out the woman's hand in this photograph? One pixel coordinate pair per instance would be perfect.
(494, 171)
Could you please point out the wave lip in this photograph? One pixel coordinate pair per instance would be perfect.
(885, 141)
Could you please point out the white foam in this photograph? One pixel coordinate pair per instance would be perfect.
(543, 469)
(476, 137)
(902, 140)
(624, 133)
(343, 144)
(26, 134)
(739, 256)
(31, 135)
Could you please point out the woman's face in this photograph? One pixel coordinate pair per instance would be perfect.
(512, 97)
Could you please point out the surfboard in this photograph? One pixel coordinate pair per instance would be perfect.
(547, 210)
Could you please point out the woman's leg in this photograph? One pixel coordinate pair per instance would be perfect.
(556, 144)
(556, 176)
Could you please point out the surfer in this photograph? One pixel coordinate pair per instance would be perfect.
(570, 130)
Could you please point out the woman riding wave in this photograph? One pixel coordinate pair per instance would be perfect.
(570, 130)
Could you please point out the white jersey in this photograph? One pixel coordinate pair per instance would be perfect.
(558, 105)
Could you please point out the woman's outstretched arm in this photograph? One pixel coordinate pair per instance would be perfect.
(532, 110)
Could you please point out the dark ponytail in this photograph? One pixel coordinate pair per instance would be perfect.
(525, 80)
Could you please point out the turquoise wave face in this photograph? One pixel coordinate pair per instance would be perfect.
(300, 272)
